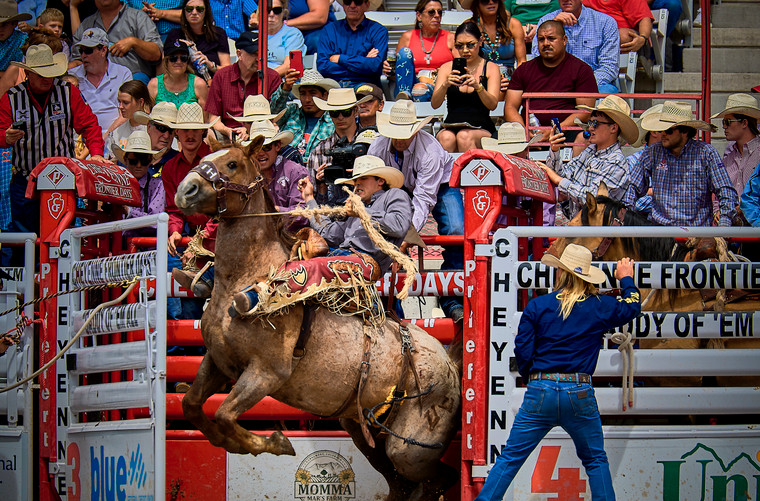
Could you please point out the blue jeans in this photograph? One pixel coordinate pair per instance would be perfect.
(548, 404)
(406, 77)
(674, 8)
(448, 212)
(609, 87)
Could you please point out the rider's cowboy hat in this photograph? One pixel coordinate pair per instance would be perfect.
(340, 99)
(401, 122)
(270, 133)
(312, 78)
(255, 108)
(9, 12)
(674, 113)
(740, 104)
(657, 108)
(576, 259)
(619, 111)
(370, 165)
(41, 60)
(190, 116)
(163, 113)
(137, 142)
(511, 139)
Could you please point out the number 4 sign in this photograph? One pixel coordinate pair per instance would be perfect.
(568, 485)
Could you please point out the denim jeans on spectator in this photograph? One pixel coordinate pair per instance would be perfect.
(448, 212)
(674, 9)
(609, 87)
(548, 404)
(25, 216)
(406, 77)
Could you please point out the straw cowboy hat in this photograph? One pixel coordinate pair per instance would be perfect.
(9, 12)
(257, 108)
(619, 111)
(313, 78)
(370, 165)
(340, 99)
(137, 142)
(190, 116)
(270, 133)
(674, 113)
(164, 113)
(657, 108)
(511, 139)
(740, 104)
(41, 60)
(576, 259)
(401, 122)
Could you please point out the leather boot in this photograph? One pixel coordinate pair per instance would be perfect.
(309, 244)
(185, 279)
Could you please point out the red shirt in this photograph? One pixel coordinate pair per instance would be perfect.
(439, 48)
(627, 13)
(228, 92)
(571, 75)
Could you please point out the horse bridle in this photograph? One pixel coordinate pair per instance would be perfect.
(221, 184)
(604, 245)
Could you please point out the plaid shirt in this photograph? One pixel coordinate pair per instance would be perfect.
(334, 194)
(683, 185)
(162, 25)
(294, 120)
(588, 170)
(232, 15)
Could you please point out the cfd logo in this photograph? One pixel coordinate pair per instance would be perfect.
(481, 202)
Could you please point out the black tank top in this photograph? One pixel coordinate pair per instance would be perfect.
(467, 107)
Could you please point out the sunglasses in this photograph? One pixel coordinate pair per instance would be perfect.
(275, 10)
(345, 113)
(670, 131)
(469, 45)
(434, 12)
(727, 121)
(138, 159)
(89, 50)
(181, 57)
(200, 9)
(595, 123)
(268, 147)
(163, 129)
(486, 2)
(355, 2)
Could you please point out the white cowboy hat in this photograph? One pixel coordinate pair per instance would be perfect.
(269, 131)
(674, 113)
(740, 104)
(576, 259)
(257, 108)
(370, 165)
(312, 78)
(164, 113)
(340, 99)
(190, 116)
(137, 142)
(401, 122)
(511, 139)
(619, 111)
(9, 12)
(657, 108)
(41, 60)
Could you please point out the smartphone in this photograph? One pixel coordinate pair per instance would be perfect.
(555, 122)
(19, 125)
(460, 64)
(296, 61)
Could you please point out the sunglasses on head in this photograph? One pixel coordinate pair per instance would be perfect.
(355, 2)
(179, 57)
(434, 12)
(275, 10)
(198, 8)
(469, 45)
(138, 159)
(345, 113)
(89, 50)
(163, 129)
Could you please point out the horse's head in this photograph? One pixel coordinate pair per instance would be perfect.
(225, 182)
(592, 214)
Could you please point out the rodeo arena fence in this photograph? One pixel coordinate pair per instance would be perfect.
(106, 429)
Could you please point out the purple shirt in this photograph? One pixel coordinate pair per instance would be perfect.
(153, 202)
(284, 188)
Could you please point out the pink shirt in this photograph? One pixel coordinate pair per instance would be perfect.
(741, 165)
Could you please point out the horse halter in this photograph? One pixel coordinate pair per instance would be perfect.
(221, 183)
(601, 249)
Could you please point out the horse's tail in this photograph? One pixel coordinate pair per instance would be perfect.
(456, 347)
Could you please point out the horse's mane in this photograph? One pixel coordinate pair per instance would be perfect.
(646, 248)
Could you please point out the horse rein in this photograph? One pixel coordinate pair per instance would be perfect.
(604, 245)
(221, 184)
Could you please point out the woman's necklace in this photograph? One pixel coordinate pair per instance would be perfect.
(493, 53)
(428, 57)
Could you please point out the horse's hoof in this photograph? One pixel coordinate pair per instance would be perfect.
(280, 444)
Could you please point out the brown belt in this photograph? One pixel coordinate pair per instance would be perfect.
(573, 377)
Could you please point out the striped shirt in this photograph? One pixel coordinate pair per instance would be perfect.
(294, 120)
(683, 185)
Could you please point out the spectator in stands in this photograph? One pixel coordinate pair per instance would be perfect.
(310, 16)
(750, 201)
(309, 124)
(504, 38)
(427, 168)
(160, 127)
(646, 138)
(231, 15)
(633, 17)
(34, 8)
(11, 38)
(178, 84)
(554, 71)
(52, 19)
(602, 161)
(165, 13)
(470, 97)
(352, 50)
(368, 109)
(593, 38)
(528, 13)
(133, 96)
(49, 108)
(197, 26)
(281, 38)
(416, 65)
(135, 43)
(674, 9)
(233, 83)
(256, 109)
(684, 173)
(99, 78)
(511, 141)
(742, 154)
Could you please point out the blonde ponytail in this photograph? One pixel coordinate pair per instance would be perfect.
(571, 290)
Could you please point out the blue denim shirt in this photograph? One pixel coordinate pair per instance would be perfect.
(352, 47)
(750, 201)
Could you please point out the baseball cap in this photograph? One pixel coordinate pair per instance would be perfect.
(369, 89)
(176, 46)
(248, 41)
(93, 37)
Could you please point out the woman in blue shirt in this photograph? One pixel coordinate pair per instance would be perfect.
(281, 38)
(557, 347)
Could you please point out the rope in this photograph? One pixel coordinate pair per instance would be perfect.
(373, 420)
(73, 340)
(624, 340)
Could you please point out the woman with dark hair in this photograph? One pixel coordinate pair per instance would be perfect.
(133, 96)
(470, 95)
(421, 51)
(198, 29)
(178, 84)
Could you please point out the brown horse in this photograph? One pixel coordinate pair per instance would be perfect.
(259, 354)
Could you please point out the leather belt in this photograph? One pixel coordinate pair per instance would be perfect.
(572, 377)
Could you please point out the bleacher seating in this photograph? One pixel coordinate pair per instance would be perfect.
(656, 69)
